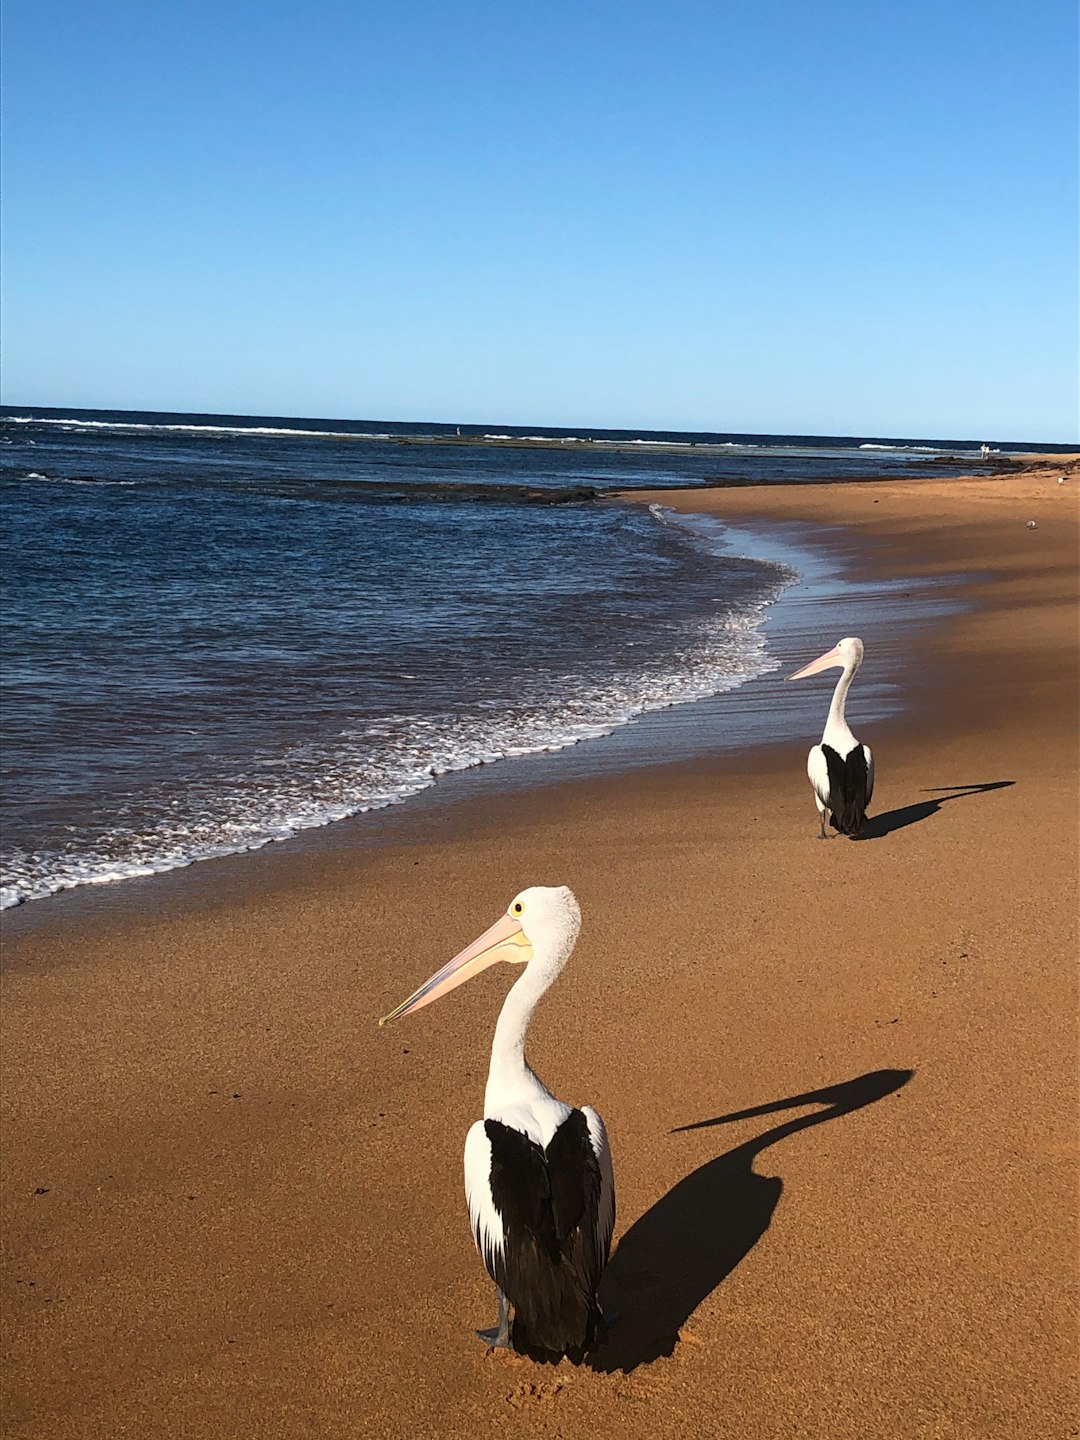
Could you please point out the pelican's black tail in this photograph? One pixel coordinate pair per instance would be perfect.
(550, 1263)
(570, 1324)
(847, 789)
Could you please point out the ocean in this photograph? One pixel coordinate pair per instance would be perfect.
(221, 631)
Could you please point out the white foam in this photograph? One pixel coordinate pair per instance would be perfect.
(76, 480)
(917, 449)
(74, 423)
(388, 761)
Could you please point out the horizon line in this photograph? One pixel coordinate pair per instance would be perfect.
(538, 425)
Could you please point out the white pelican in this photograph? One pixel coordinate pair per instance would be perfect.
(841, 770)
(538, 1175)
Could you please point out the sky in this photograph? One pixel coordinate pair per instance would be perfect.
(734, 215)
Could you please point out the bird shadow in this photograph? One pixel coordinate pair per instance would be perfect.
(681, 1249)
(878, 826)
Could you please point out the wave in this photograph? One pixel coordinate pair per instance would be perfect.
(397, 758)
(387, 760)
(711, 534)
(623, 442)
(40, 475)
(909, 449)
(74, 423)
(673, 442)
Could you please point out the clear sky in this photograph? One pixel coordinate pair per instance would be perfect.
(754, 215)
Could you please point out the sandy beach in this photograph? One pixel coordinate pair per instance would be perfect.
(840, 1079)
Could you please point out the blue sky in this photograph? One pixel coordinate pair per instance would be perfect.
(745, 215)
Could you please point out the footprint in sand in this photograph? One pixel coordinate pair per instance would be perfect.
(531, 1392)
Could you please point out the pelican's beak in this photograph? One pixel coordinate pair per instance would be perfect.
(504, 941)
(823, 662)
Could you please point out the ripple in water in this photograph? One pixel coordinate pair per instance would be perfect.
(195, 668)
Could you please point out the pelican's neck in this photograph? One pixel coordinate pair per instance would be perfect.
(509, 1077)
(837, 725)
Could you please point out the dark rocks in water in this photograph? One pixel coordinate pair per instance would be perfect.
(439, 492)
(563, 495)
(972, 465)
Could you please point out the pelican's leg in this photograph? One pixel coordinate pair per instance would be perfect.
(821, 817)
(499, 1336)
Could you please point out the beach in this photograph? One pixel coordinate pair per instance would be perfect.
(840, 1079)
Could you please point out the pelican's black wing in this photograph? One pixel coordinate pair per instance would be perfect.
(549, 1264)
(848, 788)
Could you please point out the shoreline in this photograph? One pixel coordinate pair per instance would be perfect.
(832, 1074)
(824, 591)
(836, 576)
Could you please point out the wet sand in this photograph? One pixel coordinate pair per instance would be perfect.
(840, 1079)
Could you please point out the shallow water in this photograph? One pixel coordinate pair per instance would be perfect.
(218, 638)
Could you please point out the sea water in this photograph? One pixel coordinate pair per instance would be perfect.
(219, 631)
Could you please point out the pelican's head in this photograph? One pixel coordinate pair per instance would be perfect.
(542, 921)
(846, 654)
(550, 917)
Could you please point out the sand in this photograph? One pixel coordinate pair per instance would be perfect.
(840, 1079)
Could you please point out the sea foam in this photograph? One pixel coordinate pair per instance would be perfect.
(387, 761)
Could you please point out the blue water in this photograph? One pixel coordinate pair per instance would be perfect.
(220, 631)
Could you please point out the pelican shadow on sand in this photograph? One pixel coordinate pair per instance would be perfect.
(680, 1250)
(878, 826)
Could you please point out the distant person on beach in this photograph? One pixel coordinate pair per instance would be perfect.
(984, 451)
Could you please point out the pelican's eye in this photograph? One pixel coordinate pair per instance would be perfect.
(517, 908)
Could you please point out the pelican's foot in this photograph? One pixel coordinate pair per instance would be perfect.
(498, 1337)
(495, 1338)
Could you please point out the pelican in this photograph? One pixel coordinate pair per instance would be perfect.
(841, 770)
(538, 1176)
